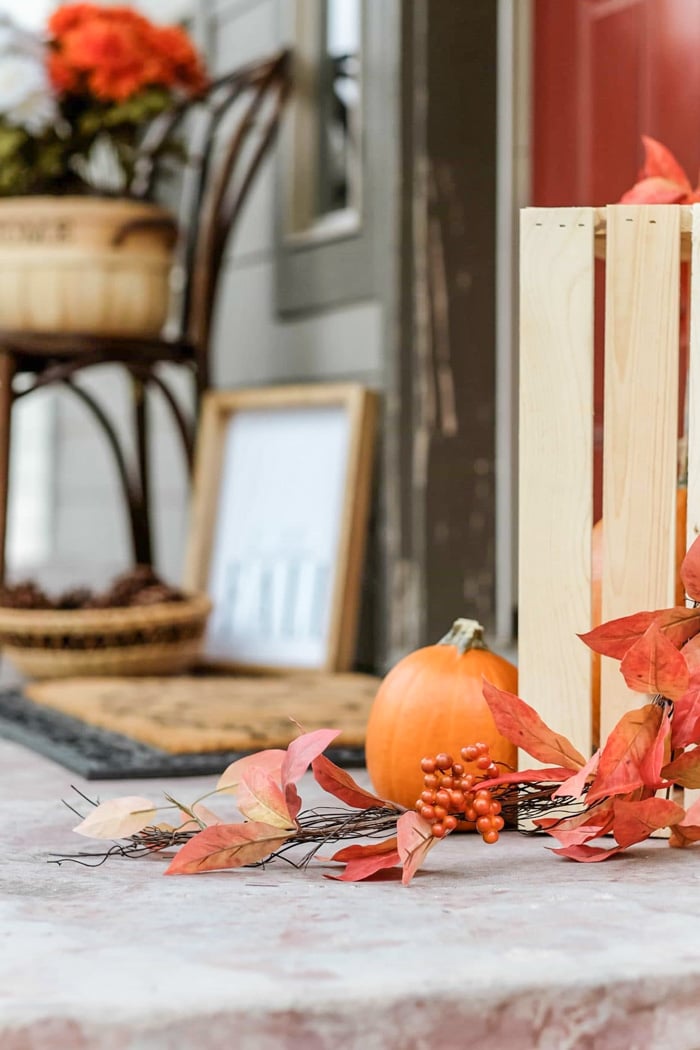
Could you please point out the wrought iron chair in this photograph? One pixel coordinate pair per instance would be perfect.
(217, 175)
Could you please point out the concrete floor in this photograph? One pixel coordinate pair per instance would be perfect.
(491, 947)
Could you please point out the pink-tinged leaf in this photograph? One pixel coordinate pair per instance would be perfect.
(520, 723)
(586, 854)
(270, 760)
(228, 846)
(302, 751)
(414, 840)
(573, 787)
(366, 867)
(619, 770)
(684, 770)
(654, 665)
(361, 850)
(687, 831)
(636, 821)
(339, 783)
(690, 571)
(658, 160)
(581, 827)
(205, 815)
(685, 725)
(654, 190)
(615, 637)
(260, 798)
(118, 818)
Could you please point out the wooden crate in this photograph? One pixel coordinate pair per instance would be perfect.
(642, 247)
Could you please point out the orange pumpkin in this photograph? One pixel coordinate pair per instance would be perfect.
(432, 702)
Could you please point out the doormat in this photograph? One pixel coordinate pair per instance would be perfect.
(110, 728)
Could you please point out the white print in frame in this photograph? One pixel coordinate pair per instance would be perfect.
(280, 554)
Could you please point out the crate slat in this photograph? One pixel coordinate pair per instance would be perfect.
(556, 464)
(640, 431)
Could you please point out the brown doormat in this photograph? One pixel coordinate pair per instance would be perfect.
(196, 714)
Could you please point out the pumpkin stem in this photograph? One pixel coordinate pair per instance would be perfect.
(465, 635)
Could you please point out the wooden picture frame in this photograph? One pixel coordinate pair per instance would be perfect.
(281, 495)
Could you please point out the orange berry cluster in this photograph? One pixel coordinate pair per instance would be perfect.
(451, 794)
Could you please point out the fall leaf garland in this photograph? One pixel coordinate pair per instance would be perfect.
(623, 791)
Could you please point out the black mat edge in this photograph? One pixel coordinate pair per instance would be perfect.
(100, 754)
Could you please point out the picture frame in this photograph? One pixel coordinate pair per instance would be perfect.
(281, 496)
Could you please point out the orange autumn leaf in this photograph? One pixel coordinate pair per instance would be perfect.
(360, 850)
(685, 726)
(615, 637)
(684, 770)
(338, 782)
(228, 846)
(574, 785)
(690, 571)
(687, 831)
(270, 760)
(624, 764)
(634, 821)
(654, 665)
(520, 723)
(662, 179)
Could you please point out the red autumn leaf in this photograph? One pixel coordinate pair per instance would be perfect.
(302, 751)
(260, 798)
(339, 783)
(581, 827)
(655, 190)
(654, 665)
(636, 821)
(691, 653)
(620, 767)
(365, 868)
(520, 723)
(414, 841)
(615, 637)
(228, 846)
(363, 861)
(586, 854)
(361, 850)
(573, 787)
(685, 725)
(545, 775)
(679, 624)
(690, 571)
(658, 755)
(293, 800)
(684, 770)
(658, 160)
(687, 831)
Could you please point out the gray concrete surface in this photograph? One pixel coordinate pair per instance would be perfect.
(491, 947)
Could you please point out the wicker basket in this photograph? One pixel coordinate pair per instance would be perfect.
(165, 638)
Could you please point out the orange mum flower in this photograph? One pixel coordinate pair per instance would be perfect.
(181, 64)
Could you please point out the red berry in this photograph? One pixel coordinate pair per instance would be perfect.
(430, 780)
(428, 813)
(428, 797)
(482, 749)
(497, 823)
(450, 823)
(490, 837)
(439, 831)
(440, 812)
(448, 782)
(442, 797)
(428, 765)
(457, 769)
(482, 807)
(442, 761)
(469, 753)
(483, 762)
(483, 825)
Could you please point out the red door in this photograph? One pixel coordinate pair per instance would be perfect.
(605, 73)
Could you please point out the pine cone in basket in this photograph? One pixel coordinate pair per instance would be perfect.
(159, 592)
(24, 595)
(77, 598)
